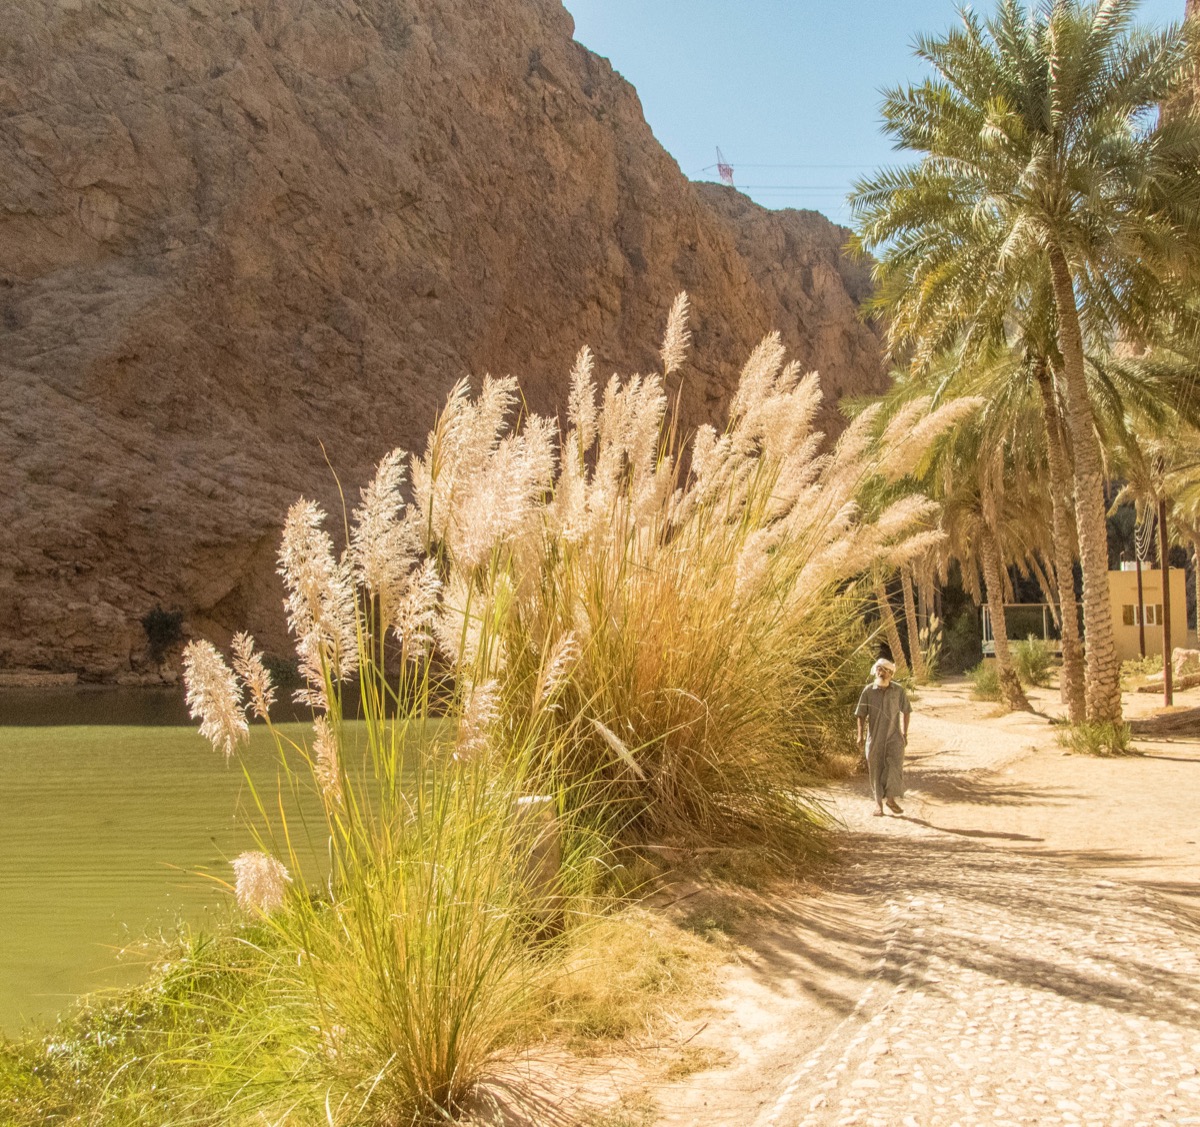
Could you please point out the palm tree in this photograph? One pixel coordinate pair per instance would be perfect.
(1042, 155)
(991, 519)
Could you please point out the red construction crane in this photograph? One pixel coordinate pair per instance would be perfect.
(724, 169)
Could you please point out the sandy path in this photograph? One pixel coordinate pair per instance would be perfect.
(1023, 946)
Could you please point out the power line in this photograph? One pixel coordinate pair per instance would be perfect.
(866, 164)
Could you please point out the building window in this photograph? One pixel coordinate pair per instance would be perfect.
(1154, 615)
(1127, 615)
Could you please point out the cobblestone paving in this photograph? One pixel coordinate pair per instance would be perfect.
(1011, 990)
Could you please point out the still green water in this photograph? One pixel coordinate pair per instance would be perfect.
(106, 831)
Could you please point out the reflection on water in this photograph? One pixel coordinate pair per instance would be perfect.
(114, 704)
(105, 830)
(99, 704)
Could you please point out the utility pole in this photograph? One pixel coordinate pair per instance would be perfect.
(1164, 556)
(1141, 612)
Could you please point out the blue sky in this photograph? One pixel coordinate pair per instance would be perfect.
(789, 89)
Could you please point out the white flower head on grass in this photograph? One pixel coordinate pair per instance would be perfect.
(556, 669)
(326, 761)
(413, 618)
(253, 671)
(581, 404)
(320, 603)
(383, 544)
(677, 337)
(214, 697)
(911, 433)
(480, 713)
(261, 882)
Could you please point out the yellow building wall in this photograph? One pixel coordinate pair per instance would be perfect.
(1122, 593)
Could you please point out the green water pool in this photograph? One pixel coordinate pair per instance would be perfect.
(106, 834)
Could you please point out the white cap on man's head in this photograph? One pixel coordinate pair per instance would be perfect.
(883, 665)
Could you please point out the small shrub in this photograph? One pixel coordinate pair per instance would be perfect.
(1105, 739)
(1032, 660)
(164, 631)
(1137, 670)
(985, 681)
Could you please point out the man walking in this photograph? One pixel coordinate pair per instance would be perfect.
(883, 712)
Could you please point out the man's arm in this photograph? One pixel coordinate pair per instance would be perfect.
(862, 738)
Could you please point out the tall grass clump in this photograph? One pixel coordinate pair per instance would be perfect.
(1033, 660)
(985, 681)
(698, 597)
(1099, 739)
(555, 641)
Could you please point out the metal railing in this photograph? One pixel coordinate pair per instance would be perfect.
(1022, 621)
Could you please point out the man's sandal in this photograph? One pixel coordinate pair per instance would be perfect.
(894, 806)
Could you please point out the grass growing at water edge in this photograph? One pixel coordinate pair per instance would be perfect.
(648, 655)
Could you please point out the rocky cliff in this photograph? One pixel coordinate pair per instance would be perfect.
(242, 239)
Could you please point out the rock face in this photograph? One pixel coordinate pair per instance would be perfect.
(245, 244)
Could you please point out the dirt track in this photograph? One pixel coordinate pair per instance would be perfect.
(1021, 946)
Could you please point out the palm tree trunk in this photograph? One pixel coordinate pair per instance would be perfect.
(1102, 682)
(890, 631)
(1196, 581)
(1049, 590)
(1066, 539)
(1010, 683)
(914, 629)
(1164, 555)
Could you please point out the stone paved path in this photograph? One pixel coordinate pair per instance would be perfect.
(1010, 991)
(1000, 987)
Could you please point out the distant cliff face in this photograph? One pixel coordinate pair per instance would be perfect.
(241, 237)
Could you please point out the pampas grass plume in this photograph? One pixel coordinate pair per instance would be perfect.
(261, 882)
(214, 697)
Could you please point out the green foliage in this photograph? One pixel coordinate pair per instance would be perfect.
(164, 631)
(964, 230)
(1137, 670)
(932, 641)
(551, 656)
(1032, 660)
(962, 643)
(1104, 739)
(985, 680)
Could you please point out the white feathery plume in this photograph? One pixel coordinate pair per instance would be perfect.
(916, 547)
(904, 448)
(382, 543)
(320, 602)
(618, 745)
(556, 668)
(757, 380)
(261, 882)
(497, 502)
(255, 676)
(480, 713)
(904, 420)
(581, 405)
(326, 761)
(677, 338)
(458, 626)
(432, 475)
(787, 417)
(415, 612)
(754, 563)
(214, 697)
(900, 516)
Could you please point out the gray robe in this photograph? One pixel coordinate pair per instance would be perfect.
(882, 709)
